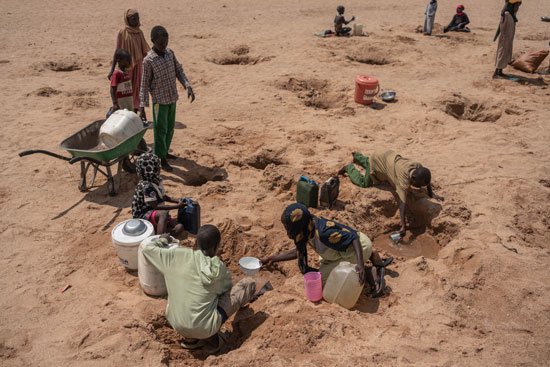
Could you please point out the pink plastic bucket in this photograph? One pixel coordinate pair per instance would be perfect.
(313, 286)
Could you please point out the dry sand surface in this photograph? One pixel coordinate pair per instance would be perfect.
(480, 297)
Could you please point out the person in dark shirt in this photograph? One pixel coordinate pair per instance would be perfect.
(459, 22)
(340, 22)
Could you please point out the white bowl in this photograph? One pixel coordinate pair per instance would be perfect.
(250, 265)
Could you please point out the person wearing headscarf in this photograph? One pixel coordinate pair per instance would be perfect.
(505, 34)
(429, 17)
(459, 22)
(334, 242)
(149, 197)
(131, 39)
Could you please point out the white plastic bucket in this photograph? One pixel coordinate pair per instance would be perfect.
(150, 279)
(127, 243)
(121, 125)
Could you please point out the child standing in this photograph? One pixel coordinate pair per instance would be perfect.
(122, 93)
(160, 71)
(149, 197)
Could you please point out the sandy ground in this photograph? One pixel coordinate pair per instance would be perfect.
(480, 297)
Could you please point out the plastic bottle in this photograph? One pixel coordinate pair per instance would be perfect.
(342, 286)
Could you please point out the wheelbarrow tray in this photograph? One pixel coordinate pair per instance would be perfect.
(86, 143)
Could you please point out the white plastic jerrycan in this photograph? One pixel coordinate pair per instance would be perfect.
(150, 279)
(121, 125)
(342, 286)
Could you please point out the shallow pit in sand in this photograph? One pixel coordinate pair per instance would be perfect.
(410, 247)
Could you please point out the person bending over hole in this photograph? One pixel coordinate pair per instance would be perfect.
(459, 22)
(201, 296)
(334, 242)
(401, 173)
(149, 197)
(340, 21)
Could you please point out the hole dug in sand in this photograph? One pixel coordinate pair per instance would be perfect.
(264, 158)
(314, 93)
(238, 55)
(463, 108)
(370, 56)
(61, 66)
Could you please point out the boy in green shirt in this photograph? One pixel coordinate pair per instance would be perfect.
(201, 296)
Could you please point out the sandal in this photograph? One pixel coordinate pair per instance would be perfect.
(213, 349)
(385, 262)
(192, 344)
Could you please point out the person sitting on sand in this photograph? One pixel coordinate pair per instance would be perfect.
(201, 296)
(149, 197)
(340, 21)
(132, 40)
(122, 94)
(459, 22)
(429, 19)
(334, 242)
(161, 69)
(401, 173)
(505, 34)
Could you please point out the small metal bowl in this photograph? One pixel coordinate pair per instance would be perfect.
(388, 96)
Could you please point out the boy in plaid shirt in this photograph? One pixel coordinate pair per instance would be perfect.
(160, 71)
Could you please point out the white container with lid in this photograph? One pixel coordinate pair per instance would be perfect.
(127, 236)
(342, 286)
(121, 125)
(150, 279)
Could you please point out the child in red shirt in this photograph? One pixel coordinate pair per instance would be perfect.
(122, 93)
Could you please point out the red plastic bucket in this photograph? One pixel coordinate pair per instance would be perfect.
(313, 286)
(366, 87)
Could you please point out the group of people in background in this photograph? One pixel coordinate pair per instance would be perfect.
(138, 70)
(505, 31)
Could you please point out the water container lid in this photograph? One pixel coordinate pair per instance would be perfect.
(134, 228)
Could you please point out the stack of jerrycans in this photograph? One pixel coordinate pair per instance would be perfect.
(307, 192)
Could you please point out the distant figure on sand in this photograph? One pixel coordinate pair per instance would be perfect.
(401, 173)
(459, 22)
(132, 40)
(201, 294)
(429, 18)
(340, 21)
(505, 34)
(161, 69)
(334, 242)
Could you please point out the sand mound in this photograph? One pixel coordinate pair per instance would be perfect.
(238, 55)
(61, 66)
(45, 92)
(314, 93)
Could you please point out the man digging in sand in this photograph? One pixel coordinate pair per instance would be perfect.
(201, 296)
(401, 173)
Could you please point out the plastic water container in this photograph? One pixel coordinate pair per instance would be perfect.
(121, 125)
(366, 87)
(307, 192)
(150, 279)
(357, 29)
(342, 286)
(313, 286)
(190, 216)
(127, 236)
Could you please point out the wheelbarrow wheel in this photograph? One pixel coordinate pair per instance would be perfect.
(129, 163)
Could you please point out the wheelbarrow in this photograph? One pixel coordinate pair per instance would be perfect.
(85, 147)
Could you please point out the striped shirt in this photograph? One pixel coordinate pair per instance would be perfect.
(159, 78)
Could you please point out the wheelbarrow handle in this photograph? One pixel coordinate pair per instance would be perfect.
(78, 159)
(51, 154)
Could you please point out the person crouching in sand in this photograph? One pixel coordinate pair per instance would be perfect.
(334, 242)
(401, 173)
(201, 296)
(459, 22)
(149, 197)
(340, 21)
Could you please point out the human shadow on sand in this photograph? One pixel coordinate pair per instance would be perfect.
(177, 126)
(538, 81)
(244, 323)
(193, 174)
